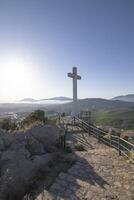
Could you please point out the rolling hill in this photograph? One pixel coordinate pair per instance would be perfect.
(104, 112)
(31, 100)
(61, 98)
(118, 114)
(98, 104)
(28, 100)
(128, 98)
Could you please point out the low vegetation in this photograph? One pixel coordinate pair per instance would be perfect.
(8, 124)
(35, 118)
(123, 119)
(79, 147)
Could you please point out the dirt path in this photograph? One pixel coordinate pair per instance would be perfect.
(98, 174)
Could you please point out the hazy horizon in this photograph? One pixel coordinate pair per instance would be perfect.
(42, 40)
(49, 101)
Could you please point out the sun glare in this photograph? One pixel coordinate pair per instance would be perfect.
(16, 77)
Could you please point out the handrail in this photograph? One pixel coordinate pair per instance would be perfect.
(125, 148)
(127, 142)
(91, 126)
(115, 136)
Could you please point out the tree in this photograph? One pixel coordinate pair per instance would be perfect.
(8, 124)
(37, 115)
(33, 117)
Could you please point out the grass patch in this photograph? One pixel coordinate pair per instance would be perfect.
(123, 119)
(79, 147)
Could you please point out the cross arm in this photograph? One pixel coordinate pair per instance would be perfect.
(70, 75)
(74, 76)
(78, 77)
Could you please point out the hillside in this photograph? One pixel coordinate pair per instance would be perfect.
(31, 100)
(128, 98)
(93, 104)
(107, 112)
(96, 104)
(123, 119)
(28, 100)
(118, 114)
(61, 98)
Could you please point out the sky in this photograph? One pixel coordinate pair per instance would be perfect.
(41, 40)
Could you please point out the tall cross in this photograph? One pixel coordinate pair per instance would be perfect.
(75, 77)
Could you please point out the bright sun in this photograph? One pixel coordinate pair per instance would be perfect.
(16, 78)
(14, 75)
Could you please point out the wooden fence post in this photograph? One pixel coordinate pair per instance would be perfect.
(88, 129)
(59, 119)
(74, 120)
(110, 139)
(64, 141)
(66, 128)
(98, 137)
(82, 125)
(119, 146)
(60, 138)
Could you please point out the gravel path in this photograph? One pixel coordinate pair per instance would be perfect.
(98, 174)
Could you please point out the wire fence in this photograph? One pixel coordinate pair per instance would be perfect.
(123, 146)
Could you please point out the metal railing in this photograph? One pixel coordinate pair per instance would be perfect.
(123, 146)
(62, 133)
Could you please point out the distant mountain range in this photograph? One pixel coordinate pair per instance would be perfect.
(28, 100)
(93, 104)
(128, 98)
(61, 98)
(58, 99)
(88, 103)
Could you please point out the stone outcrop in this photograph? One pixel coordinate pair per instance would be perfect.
(22, 156)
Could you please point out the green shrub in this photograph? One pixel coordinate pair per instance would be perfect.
(8, 124)
(36, 116)
(79, 147)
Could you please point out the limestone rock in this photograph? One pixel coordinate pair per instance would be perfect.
(8, 139)
(23, 156)
(33, 146)
(48, 135)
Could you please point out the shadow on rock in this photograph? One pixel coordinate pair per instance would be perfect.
(68, 185)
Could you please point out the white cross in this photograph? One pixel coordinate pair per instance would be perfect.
(75, 77)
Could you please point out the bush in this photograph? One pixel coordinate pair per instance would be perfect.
(8, 124)
(36, 116)
(79, 147)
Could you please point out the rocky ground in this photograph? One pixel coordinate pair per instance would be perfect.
(24, 156)
(98, 174)
(31, 163)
